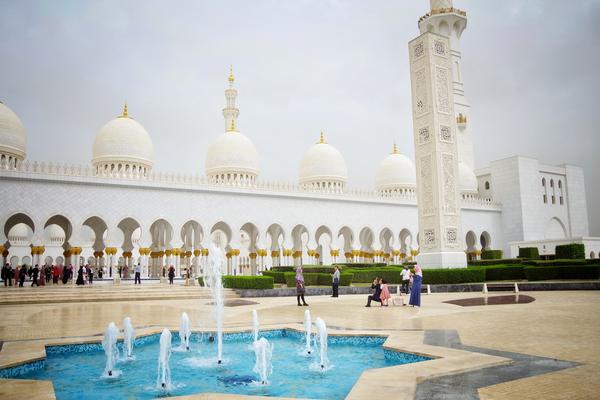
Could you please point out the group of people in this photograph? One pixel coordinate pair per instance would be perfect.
(41, 276)
(411, 285)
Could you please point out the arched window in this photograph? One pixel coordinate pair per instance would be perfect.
(551, 183)
(560, 184)
(544, 182)
(487, 185)
(545, 194)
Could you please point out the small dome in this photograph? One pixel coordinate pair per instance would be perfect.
(232, 156)
(13, 140)
(54, 234)
(123, 141)
(321, 165)
(19, 234)
(467, 180)
(396, 171)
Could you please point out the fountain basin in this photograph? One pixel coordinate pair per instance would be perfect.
(294, 373)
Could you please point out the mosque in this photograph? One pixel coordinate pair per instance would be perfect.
(119, 211)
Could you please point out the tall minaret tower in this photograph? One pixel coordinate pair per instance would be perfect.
(230, 112)
(448, 21)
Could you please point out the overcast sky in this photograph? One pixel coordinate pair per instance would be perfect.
(530, 69)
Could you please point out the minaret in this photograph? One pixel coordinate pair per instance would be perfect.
(448, 21)
(230, 111)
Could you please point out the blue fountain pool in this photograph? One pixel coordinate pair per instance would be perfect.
(76, 370)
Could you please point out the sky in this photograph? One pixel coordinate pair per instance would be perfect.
(301, 66)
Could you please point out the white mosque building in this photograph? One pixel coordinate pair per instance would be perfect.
(118, 210)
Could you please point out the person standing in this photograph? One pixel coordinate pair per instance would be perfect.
(415, 292)
(65, 275)
(16, 274)
(171, 274)
(385, 293)
(55, 274)
(5, 274)
(34, 276)
(138, 274)
(90, 273)
(336, 281)
(405, 279)
(48, 273)
(300, 289)
(80, 280)
(22, 275)
(376, 296)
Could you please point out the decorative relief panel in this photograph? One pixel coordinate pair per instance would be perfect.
(445, 133)
(427, 185)
(421, 102)
(449, 180)
(424, 135)
(451, 236)
(439, 48)
(418, 50)
(441, 85)
(429, 237)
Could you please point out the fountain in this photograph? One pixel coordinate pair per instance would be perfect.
(263, 351)
(128, 337)
(185, 332)
(212, 279)
(109, 343)
(163, 379)
(307, 328)
(255, 324)
(321, 342)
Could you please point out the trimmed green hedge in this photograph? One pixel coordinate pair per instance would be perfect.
(554, 263)
(278, 277)
(248, 282)
(449, 276)
(359, 265)
(311, 279)
(549, 273)
(504, 273)
(479, 263)
(529, 252)
(366, 275)
(491, 254)
(573, 251)
(307, 268)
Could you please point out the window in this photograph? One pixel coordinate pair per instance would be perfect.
(544, 182)
(561, 201)
(487, 185)
(560, 184)
(553, 199)
(545, 199)
(551, 183)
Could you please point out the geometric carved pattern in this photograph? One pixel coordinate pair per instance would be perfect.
(419, 50)
(427, 185)
(424, 135)
(451, 236)
(449, 181)
(429, 237)
(421, 92)
(439, 48)
(441, 84)
(445, 134)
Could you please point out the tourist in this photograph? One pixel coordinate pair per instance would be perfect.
(138, 274)
(385, 293)
(171, 274)
(80, 280)
(22, 273)
(336, 281)
(48, 273)
(5, 274)
(41, 281)
(70, 274)
(377, 295)
(65, 275)
(405, 279)
(300, 289)
(17, 275)
(125, 271)
(120, 271)
(100, 272)
(90, 274)
(415, 292)
(55, 274)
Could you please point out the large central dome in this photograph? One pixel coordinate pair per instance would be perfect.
(123, 146)
(323, 168)
(13, 141)
(232, 158)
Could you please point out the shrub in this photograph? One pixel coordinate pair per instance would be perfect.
(542, 273)
(554, 263)
(479, 263)
(248, 282)
(200, 281)
(504, 273)
(555, 272)
(366, 275)
(311, 279)
(449, 276)
(491, 254)
(529, 252)
(324, 269)
(359, 265)
(570, 251)
(283, 268)
(327, 279)
(278, 277)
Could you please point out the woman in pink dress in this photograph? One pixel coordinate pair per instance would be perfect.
(385, 293)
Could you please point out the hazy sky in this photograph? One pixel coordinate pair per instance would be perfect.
(530, 69)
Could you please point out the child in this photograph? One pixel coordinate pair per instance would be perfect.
(385, 293)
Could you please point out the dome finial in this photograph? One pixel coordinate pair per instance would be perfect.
(232, 127)
(125, 111)
(231, 78)
(322, 138)
(395, 150)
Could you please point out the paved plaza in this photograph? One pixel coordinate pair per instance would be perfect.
(545, 349)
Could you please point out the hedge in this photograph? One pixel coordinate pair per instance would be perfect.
(311, 279)
(278, 277)
(306, 268)
(491, 254)
(366, 275)
(573, 272)
(570, 251)
(554, 263)
(248, 282)
(529, 252)
(360, 265)
(454, 275)
(504, 273)
(479, 263)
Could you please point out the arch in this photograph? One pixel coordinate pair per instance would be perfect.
(300, 237)
(592, 255)
(192, 235)
(19, 218)
(485, 240)
(386, 240)
(221, 234)
(406, 239)
(53, 236)
(277, 236)
(161, 232)
(555, 229)
(99, 228)
(348, 238)
(471, 241)
(63, 222)
(324, 239)
(444, 28)
(129, 226)
(366, 238)
(251, 230)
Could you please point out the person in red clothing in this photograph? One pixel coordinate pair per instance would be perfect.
(55, 274)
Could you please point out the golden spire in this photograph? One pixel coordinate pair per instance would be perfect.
(322, 138)
(231, 77)
(232, 127)
(125, 112)
(395, 150)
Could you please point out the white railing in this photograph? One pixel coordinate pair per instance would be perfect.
(86, 172)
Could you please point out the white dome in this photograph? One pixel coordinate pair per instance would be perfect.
(19, 234)
(123, 141)
(13, 140)
(323, 163)
(232, 153)
(467, 182)
(396, 171)
(54, 235)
